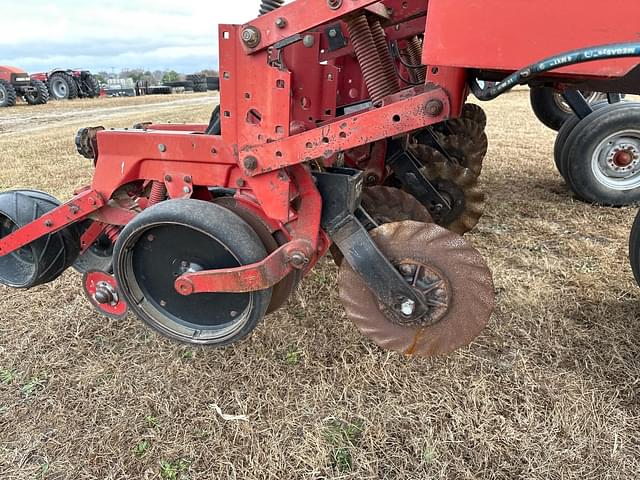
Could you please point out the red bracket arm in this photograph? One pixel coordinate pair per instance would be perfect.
(79, 207)
(249, 278)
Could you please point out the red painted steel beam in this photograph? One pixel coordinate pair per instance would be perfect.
(400, 117)
(76, 209)
(248, 278)
(299, 17)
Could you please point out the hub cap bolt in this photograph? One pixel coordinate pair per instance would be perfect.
(103, 295)
(408, 307)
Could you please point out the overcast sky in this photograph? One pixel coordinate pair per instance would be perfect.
(38, 35)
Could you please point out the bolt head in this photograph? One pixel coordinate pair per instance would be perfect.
(408, 307)
(333, 33)
(434, 107)
(162, 147)
(250, 163)
(251, 37)
(308, 41)
(103, 296)
(281, 22)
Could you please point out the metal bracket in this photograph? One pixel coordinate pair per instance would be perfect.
(341, 191)
(407, 169)
(578, 103)
(335, 37)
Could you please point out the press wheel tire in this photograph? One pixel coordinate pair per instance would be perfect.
(44, 259)
(601, 157)
(565, 131)
(62, 86)
(634, 248)
(40, 96)
(168, 239)
(8, 94)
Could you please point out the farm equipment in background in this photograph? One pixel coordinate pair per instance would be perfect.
(67, 84)
(552, 109)
(15, 83)
(341, 126)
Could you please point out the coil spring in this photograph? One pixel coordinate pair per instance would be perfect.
(113, 232)
(380, 40)
(267, 6)
(158, 193)
(373, 71)
(414, 51)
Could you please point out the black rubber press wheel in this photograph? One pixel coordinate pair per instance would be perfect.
(180, 236)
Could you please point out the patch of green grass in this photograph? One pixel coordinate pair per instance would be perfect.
(141, 448)
(8, 375)
(343, 437)
(34, 384)
(152, 422)
(187, 354)
(293, 357)
(174, 470)
(44, 469)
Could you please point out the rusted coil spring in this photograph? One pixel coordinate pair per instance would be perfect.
(267, 6)
(157, 195)
(374, 71)
(414, 52)
(380, 39)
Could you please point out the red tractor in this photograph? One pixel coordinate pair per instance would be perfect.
(16, 83)
(66, 84)
(342, 126)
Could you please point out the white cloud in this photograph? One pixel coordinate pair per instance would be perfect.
(153, 34)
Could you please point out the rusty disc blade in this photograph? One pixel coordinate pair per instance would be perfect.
(468, 152)
(458, 184)
(388, 205)
(471, 291)
(476, 113)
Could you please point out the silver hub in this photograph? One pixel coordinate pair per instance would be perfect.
(616, 161)
(2, 95)
(60, 88)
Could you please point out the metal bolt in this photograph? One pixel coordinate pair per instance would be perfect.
(187, 179)
(390, 11)
(240, 183)
(162, 147)
(298, 260)
(308, 41)
(48, 224)
(434, 107)
(233, 314)
(372, 179)
(186, 190)
(251, 37)
(168, 178)
(408, 307)
(334, 4)
(251, 163)
(281, 22)
(333, 33)
(74, 209)
(103, 296)
(405, 269)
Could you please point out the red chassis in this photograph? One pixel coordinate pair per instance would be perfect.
(284, 86)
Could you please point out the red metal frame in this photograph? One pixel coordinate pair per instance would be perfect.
(281, 109)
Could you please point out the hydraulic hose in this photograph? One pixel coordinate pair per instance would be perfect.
(584, 55)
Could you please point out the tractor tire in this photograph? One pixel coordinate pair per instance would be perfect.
(634, 248)
(601, 157)
(62, 86)
(8, 94)
(565, 131)
(91, 85)
(550, 109)
(41, 95)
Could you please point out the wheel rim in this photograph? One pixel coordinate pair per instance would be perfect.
(616, 161)
(590, 97)
(154, 257)
(60, 88)
(3, 95)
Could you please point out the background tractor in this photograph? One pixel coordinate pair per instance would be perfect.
(67, 84)
(16, 83)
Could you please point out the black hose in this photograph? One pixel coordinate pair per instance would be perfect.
(604, 52)
(267, 6)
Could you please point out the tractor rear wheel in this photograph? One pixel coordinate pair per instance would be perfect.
(44, 259)
(91, 85)
(8, 94)
(62, 86)
(601, 157)
(40, 96)
(179, 236)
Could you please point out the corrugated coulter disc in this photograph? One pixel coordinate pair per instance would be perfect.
(453, 276)
(461, 126)
(468, 152)
(458, 184)
(388, 205)
(476, 113)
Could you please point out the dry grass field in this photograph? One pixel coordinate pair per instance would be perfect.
(550, 390)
